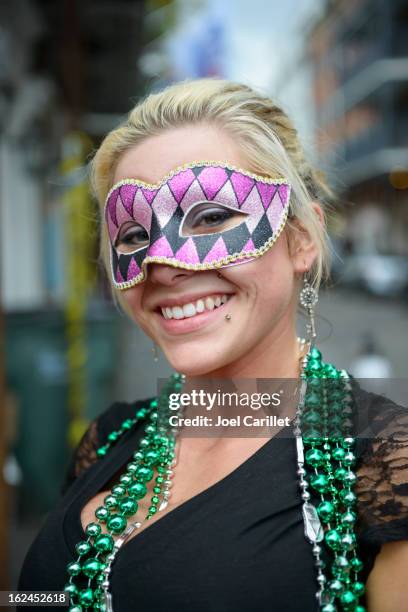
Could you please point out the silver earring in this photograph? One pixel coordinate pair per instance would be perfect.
(155, 353)
(308, 298)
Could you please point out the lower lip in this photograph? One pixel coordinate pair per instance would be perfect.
(189, 324)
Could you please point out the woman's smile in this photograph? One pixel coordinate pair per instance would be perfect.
(186, 314)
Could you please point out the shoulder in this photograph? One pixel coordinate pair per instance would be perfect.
(96, 435)
(381, 469)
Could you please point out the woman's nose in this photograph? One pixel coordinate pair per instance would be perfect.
(166, 275)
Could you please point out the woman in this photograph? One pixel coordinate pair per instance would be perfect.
(212, 228)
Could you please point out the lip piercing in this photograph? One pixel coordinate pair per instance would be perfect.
(228, 317)
(219, 274)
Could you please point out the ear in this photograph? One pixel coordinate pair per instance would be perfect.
(302, 248)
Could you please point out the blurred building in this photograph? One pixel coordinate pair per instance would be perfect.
(359, 53)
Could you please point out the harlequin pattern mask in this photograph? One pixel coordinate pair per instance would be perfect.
(202, 216)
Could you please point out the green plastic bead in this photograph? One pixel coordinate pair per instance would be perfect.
(338, 453)
(116, 523)
(138, 490)
(151, 457)
(104, 543)
(342, 562)
(312, 400)
(348, 518)
(101, 451)
(348, 541)
(126, 479)
(348, 442)
(340, 473)
(356, 564)
(349, 458)
(347, 497)
(113, 436)
(348, 599)
(75, 609)
(325, 511)
(128, 506)
(85, 597)
(82, 548)
(93, 529)
(315, 353)
(329, 608)
(333, 539)
(110, 501)
(359, 609)
(330, 371)
(350, 478)
(73, 568)
(118, 491)
(145, 474)
(132, 467)
(127, 424)
(336, 587)
(319, 482)
(71, 589)
(311, 417)
(358, 588)
(102, 513)
(91, 567)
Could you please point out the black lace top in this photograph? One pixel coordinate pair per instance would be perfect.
(238, 545)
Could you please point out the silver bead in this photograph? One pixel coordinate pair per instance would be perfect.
(301, 471)
(317, 549)
(321, 578)
(305, 496)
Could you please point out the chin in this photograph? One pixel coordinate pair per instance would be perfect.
(193, 363)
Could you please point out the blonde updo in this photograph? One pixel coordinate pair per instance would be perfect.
(265, 134)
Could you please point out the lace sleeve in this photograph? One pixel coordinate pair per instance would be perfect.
(382, 471)
(96, 435)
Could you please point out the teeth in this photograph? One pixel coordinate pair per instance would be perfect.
(177, 312)
(209, 303)
(200, 306)
(190, 310)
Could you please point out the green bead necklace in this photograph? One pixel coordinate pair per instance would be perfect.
(325, 458)
(325, 462)
(89, 574)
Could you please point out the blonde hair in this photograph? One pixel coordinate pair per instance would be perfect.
(263, 131)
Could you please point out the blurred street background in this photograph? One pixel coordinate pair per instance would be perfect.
(70, 70)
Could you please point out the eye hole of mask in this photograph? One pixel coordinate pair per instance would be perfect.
(131, 237)
(210, 218)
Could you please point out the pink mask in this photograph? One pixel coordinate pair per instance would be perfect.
(202, 216)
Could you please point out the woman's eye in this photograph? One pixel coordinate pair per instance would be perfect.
(132, 238)
(208, 219)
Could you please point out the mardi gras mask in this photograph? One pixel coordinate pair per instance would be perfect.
(201, 216)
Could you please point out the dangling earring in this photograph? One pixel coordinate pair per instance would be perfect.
(308, 298)
(155, 353)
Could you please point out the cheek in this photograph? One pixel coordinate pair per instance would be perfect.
(133, 298)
